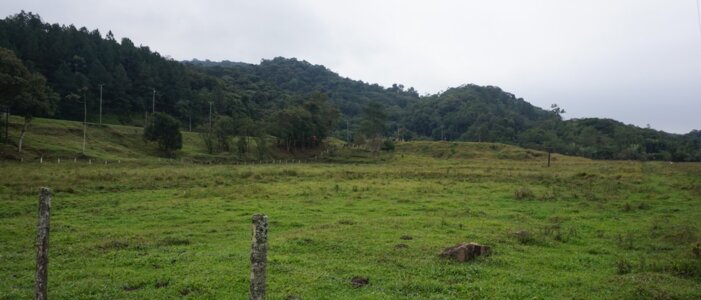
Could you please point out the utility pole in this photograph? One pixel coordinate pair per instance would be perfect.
(101, 103)
(85, 117)
(153, 102)
(348, 131)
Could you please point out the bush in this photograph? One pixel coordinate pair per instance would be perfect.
(388, 145)
(208, 140)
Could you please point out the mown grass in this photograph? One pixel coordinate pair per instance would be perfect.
(581, 229)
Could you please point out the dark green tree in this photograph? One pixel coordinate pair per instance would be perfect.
(26, 94)
(223, 129)
(165, 130)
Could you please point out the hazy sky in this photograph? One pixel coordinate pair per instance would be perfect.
(637, 61)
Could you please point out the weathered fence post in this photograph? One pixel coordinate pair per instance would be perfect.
(259, 256)
(550, 151)
(40, 290)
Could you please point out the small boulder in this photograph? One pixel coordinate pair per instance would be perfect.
(358, 281)
(466, 252)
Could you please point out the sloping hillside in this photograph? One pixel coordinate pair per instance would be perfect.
(54, 139)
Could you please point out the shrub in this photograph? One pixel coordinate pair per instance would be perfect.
(208, 141)
(388, 145)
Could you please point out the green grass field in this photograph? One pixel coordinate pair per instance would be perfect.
(141, 229)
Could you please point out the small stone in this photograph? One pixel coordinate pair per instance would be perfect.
(358, 281)
(466, 252)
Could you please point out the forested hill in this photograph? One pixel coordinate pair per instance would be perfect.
(77, 61)
(476, 113)
(295, 77)
(466, 113)
(73, 58)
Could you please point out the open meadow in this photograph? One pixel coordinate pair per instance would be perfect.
(149, 230)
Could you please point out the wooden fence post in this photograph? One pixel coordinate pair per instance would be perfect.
(40, 290)
(259, 256)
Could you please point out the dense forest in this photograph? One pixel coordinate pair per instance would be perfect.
(300, 103)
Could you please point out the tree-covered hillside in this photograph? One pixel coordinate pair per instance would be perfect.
(73, 58)
(282, 97)
(473, 113)
(281, 76)
(477, 113)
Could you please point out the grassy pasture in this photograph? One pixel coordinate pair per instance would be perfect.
(150, 228)
(53, 139)
(142, 229)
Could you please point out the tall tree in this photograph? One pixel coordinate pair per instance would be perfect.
(165, 130)
(25, 93)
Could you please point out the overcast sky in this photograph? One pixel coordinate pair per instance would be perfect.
(637, 61)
